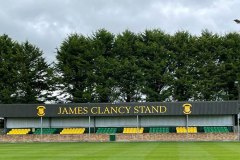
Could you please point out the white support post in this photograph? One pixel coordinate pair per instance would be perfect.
(187, 125)
(137, 125)
(41, 127)
(89, 125)
(238, 127)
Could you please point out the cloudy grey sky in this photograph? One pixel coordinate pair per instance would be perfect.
(46, 23)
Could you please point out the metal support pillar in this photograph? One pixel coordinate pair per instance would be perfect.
(41, 127)
(187, 125)
(89, 125)
(238, 127)
(137, 124)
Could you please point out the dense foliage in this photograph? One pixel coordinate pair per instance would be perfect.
(103, 67)
(25, 77)
(150, 66)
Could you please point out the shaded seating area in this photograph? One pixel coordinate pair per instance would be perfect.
(215, 129)
(159, 130)
(133, 130)
(73, 131)
(18, 131)
(106, 130)
(114, 130)
(186, 130)
(46, 131)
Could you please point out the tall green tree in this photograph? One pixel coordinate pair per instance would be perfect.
(104, 64)
(25, 75)
(183, 83)
(156, 62)
(207, 75)
(161, 67)
(34, 75)
(8, 69)
(128, 75)
(75, 66)
(229, 65)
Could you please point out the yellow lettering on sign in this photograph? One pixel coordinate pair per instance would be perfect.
(147, 110)
(59, 110)
(113, 110)
(72, 110)
(128, 109)
(163, 109)
(85, 110)
(155, 109)
(64, 111)
(94, 110)
(136, 110)
(106, 111)
(120, 110)
(141, 109)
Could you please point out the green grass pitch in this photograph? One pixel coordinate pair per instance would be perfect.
(121, 150)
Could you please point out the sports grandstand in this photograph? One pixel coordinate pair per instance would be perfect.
(148, 121)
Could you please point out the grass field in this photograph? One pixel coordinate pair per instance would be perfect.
(124, 151)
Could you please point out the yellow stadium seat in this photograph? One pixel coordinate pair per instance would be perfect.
(18, 131)
(186, 130)
(72, 131)
(133, 130)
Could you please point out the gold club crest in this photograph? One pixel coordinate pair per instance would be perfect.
(187, 108)
(41, 111)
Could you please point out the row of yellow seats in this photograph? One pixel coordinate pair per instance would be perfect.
(186, 130)
(19, 131)
(133, 130)
(73, 131)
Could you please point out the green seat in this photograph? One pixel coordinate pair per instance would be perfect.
(159, 130)
(45, 131)
(215, 129)
(106, 130)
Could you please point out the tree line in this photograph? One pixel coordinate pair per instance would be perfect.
(125, 67)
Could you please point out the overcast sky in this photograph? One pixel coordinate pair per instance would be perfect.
(46, 23)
